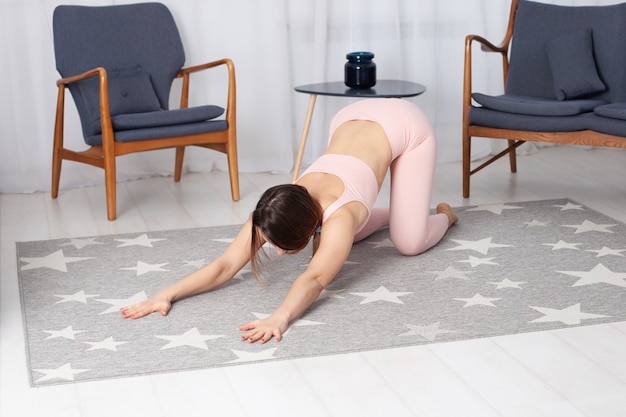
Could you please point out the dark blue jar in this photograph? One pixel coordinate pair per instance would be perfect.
(360, 70)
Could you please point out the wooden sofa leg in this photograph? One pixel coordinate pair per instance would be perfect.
(233, 171)
(57, 160)
(56, 172)
(110, 187)
(178, 168)
(467, 153)
(512, 155)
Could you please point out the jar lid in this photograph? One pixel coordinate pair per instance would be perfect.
(360, 55)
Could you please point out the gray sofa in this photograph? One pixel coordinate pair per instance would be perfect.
(564, 69)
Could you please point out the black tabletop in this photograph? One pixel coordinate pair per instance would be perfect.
(383, 89)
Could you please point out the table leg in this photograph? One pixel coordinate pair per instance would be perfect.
(305, 134)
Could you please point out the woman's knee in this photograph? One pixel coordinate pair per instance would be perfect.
(409, 248)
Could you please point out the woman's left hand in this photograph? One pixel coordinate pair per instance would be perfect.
(264, 329)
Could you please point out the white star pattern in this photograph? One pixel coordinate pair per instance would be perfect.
(79, 297)
(605, 251)
(118, 303)
(191, 337)
(536, 223)
(562, 245)
(329, 294)
(600, 274)
(507, 283)
(81, 243)
(385, 243)
(429, 332)
(381, 294)
(56, 260)
(570, 206)
(295, 323)
(229, 240)
(106, 344)
(588, 226)
(474, 261)
(451, 272)
(480, 246)
(67, 333)
(142, 240)
(569, 315)
(64, 372)
(243, 356)
(495, 208)
(197, 264)
(478, 300)
(144, 268)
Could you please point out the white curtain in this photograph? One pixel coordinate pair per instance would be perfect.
(275, 45)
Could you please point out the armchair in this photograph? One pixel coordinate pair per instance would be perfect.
(563, 72)
(119, 63)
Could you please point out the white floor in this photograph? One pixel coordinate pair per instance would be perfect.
(573, 372)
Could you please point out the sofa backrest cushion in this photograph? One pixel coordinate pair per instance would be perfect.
(537, 25)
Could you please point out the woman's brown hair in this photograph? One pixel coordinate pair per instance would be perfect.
(287, 216)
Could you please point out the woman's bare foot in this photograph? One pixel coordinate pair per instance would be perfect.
(447, 210)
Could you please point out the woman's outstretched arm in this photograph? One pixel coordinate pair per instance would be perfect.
(205, 279)
(336, 242)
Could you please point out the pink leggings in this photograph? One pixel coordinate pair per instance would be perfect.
(412, 228)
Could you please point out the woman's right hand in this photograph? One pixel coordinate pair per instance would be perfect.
(144, 308)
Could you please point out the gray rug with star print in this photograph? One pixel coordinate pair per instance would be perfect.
(503, 269)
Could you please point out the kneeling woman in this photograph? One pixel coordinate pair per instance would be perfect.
(333, 201)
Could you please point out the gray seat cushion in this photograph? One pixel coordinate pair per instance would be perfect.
(536, 106)
(166, 117)
(162, 131)
(607, 125)
(491, 118)
(614, 110)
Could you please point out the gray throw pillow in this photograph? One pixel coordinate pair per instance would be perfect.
(573, 66)
(128, 93)
(132, 94)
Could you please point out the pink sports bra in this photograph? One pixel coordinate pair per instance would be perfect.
(360, 183)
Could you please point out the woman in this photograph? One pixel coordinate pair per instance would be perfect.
(333, 200)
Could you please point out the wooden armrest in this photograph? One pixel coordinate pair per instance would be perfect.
(185, 72)
(90, 73)
(105, 112)
(195, 68)
(487, 46)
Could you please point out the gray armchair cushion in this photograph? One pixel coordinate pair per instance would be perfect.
(535, 106)
(607, 125)
(165, 117)
(573, 66)
(132, 135)
(614, 111)
(481, 116)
